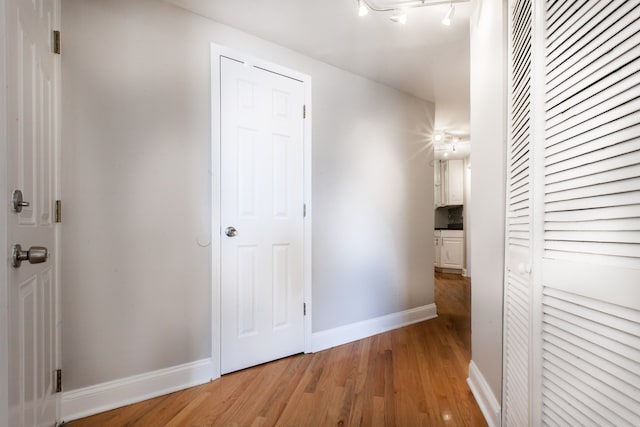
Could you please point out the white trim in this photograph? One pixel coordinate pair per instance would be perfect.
(484, 396)
(115, 394)
(216, 52)
(366, 328)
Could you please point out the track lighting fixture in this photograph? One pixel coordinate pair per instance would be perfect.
(447, 18)
(399, 8)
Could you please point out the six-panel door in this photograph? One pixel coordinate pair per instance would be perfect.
(262, 199)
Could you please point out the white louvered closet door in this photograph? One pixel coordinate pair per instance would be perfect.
(590, 287)
(517, 288)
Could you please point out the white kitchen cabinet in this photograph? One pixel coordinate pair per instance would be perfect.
(452, 252)
(453, 177)
(448, 182)
(449, 249)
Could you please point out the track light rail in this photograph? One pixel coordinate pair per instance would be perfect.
(371, 4)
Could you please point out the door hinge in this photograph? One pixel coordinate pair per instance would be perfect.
(304, 111)
(57, 47)
(304, 308)
(58, 211)
(58, 381)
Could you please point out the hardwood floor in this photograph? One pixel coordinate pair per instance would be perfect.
(414, 376)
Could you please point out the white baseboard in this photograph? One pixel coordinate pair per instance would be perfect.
(356, 331)
(484, 396)
(114, 394)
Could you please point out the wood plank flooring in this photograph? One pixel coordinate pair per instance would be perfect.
(414, 376)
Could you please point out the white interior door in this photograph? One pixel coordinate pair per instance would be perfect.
(262, 184)
(572, 322)
(590, 284)
(31, 156)
(518, 244)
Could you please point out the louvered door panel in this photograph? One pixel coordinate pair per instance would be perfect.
(592, 350)
(590, 339)
(518, 227)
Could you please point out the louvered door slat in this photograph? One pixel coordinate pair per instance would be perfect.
(580, 396)
(625, 173)
(558, 412)
(612, 347)
(560, 14)
(625, 186)
(569, 32)
(596, 236)
(618, 144)
(618, 131)
(570, 407)
(603, 370)
(595, 384)
(521, 117)
(581, 339)
(610, 213)
(599, 69)
(605, 113)
(573, 113)
(620, 26)
(625, 224)
(621, 250)
(598, 201)
(595, 108)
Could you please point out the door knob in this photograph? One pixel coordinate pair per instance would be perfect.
(35, 255)
(231, 232)
(17, 202)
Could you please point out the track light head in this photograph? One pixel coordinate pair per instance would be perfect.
(363, 10)
(447, 18)
(399, 17)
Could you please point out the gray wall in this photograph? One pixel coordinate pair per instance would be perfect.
(488, 131)
(136, 189)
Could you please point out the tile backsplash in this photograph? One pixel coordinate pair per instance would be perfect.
(455, 216)
(449, 217)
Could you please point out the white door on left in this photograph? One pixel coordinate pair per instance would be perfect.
(32, 119)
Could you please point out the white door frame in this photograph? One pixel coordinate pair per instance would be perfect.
(217, 52)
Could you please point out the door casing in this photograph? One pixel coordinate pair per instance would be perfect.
(217, 52)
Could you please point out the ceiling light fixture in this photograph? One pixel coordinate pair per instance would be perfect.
(447, 18)
(437, 137)
(399, 8)
(363, 10)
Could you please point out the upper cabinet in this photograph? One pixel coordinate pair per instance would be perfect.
(449, 182)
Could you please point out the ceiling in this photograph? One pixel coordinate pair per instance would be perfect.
(422, 57)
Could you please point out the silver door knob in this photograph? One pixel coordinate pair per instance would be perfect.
(35, 255)
(231, 232)
(17, 202)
